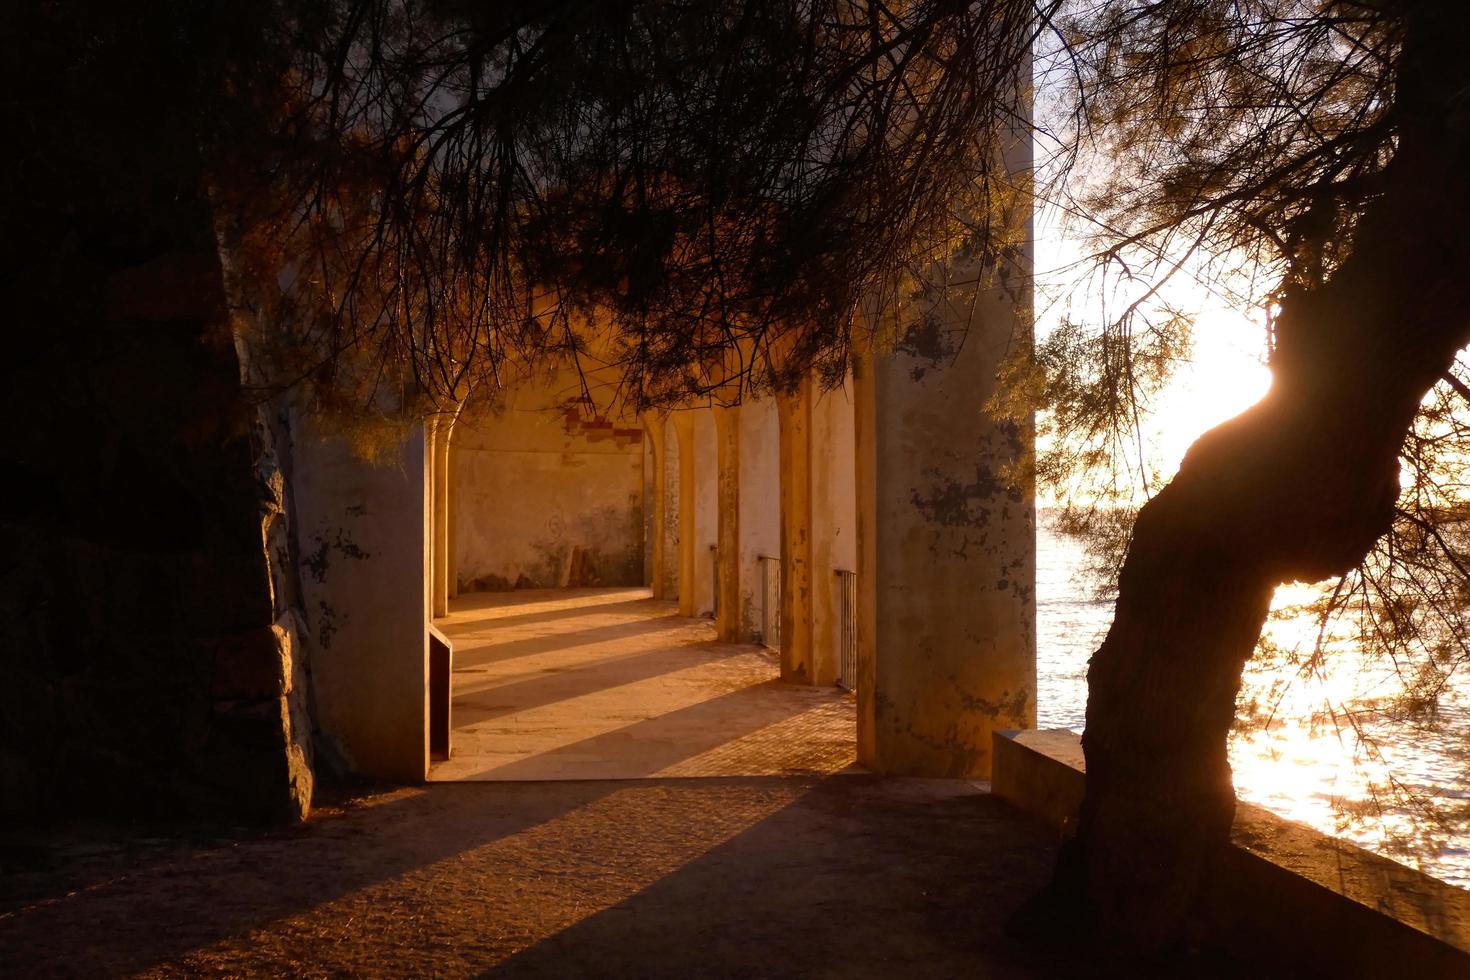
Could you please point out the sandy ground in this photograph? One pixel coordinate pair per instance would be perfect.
(816, 871)
(611, 684)
(847, 876)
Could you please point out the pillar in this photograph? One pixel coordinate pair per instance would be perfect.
(706, 506)
(794, 415)
(729, 607)
(368, 605)
(947, 543)
(684, 432)
(653, 424)
(670, 532)
(451, 554)
(441, 431)
(760, 510)
(833, 526)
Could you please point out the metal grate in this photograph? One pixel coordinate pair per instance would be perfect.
(770, 601)
(847, 629)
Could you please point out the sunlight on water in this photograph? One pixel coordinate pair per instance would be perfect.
(1307, 759)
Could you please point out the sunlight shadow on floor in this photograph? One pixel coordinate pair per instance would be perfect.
(583, 688)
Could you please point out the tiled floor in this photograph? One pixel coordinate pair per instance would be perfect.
(611, 684)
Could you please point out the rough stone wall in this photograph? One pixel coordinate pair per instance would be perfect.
(147, 636)
(147, 661)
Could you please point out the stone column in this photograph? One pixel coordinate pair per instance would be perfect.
(653, 424)
(441, 431)
(670, 532)
(947, 544)
(706, 504)
(834, 526)
(760, 510)
(794, 414)
(729, 608)
(684, 432)
(451, 539)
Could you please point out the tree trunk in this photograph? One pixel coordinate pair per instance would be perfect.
(1297, 488)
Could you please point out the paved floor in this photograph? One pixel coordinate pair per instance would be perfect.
(765, 876)
(759, 877)
(612, 684)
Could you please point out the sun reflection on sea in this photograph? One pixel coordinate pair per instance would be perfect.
(1326, 755)
(1298, 753)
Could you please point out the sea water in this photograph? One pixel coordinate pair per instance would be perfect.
(1307, 764)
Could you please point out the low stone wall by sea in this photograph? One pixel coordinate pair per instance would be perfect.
(1292, 895)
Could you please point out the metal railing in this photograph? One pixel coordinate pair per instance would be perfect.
(846, 629)
(770, 601)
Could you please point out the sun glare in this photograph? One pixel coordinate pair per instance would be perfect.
(1225, 376)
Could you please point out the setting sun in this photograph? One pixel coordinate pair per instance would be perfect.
(1225, 376)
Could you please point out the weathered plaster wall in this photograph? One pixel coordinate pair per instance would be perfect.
(760, 505)
(363, 530)
(539, 479)
(834, 522)
(728, 606)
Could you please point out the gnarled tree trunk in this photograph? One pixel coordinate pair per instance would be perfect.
(1297, 488)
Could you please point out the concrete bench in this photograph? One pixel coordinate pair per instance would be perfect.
(1292, 895)
(441, 693)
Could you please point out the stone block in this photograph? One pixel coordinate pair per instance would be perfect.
(275, 535)
(300, 784)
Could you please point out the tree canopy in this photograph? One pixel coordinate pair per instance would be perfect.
(458, 188)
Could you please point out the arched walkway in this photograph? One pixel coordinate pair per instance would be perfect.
(613, 684)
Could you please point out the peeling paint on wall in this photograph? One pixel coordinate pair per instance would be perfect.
(954, 503)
